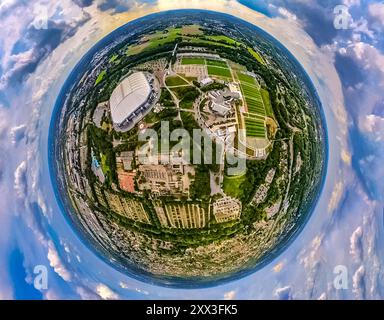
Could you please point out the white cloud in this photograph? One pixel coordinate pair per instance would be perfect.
(51, 295)
(278, 267)
(358, 283)
(336, 196)
(20, 185)
(56, 263)
(17, 25)
(86, 294)
(6, 5)
(361, 26)
(287, 14)
(374, 125)
(123, 285)
(106, 293)
(369, 57)
(4, 125)
(18, 133)
(355, 244)
(283, 293)
(5, 295)
(350, 3)
(17, 62)
(323, 296)
(311, 258)
(230, 295)
(376, 10)
(145, 292)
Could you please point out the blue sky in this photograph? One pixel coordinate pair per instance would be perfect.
(347, 68)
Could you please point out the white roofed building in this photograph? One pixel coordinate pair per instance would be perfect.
(206, 82)
(130, 98)
(221, 109)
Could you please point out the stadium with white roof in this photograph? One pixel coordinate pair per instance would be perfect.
(130, 100)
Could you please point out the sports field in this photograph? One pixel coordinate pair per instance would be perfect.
(255, 128)
(217, 63)
(244, 78)
(251, 91)
(255, 106)
(257, 100)
(221, 72)
(254, 100)
(186, 61)
(256, 111)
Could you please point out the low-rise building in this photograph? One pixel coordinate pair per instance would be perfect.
(183, 216)
(206, 82)
(221, 109)
(129, 208)
(127, 159)
(164, 179)
(227, 209)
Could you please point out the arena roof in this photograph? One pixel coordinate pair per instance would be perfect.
(128, 96)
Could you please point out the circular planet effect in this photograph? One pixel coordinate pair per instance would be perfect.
(215, 227)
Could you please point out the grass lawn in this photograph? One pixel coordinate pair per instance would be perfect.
(136, 49)
(225, 39)
(106, 169)
(217, 63)
(191, 79)
(267, 103)
(237, 67)
(186, 105)
(246, 78)
(253, 133)
(256, 56)
(161, 38)
(255, 106)
(232, 185)
(180, 92)
(106, 126)
(192, 29)
(198, 41)
(154, 40)
(254, 116)
(151, 118)
(186, 61)
(113, 58)
(255, 128)
(254, 99)
(221, 72)
(100, 77)
(175, 81)
(251, 91)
